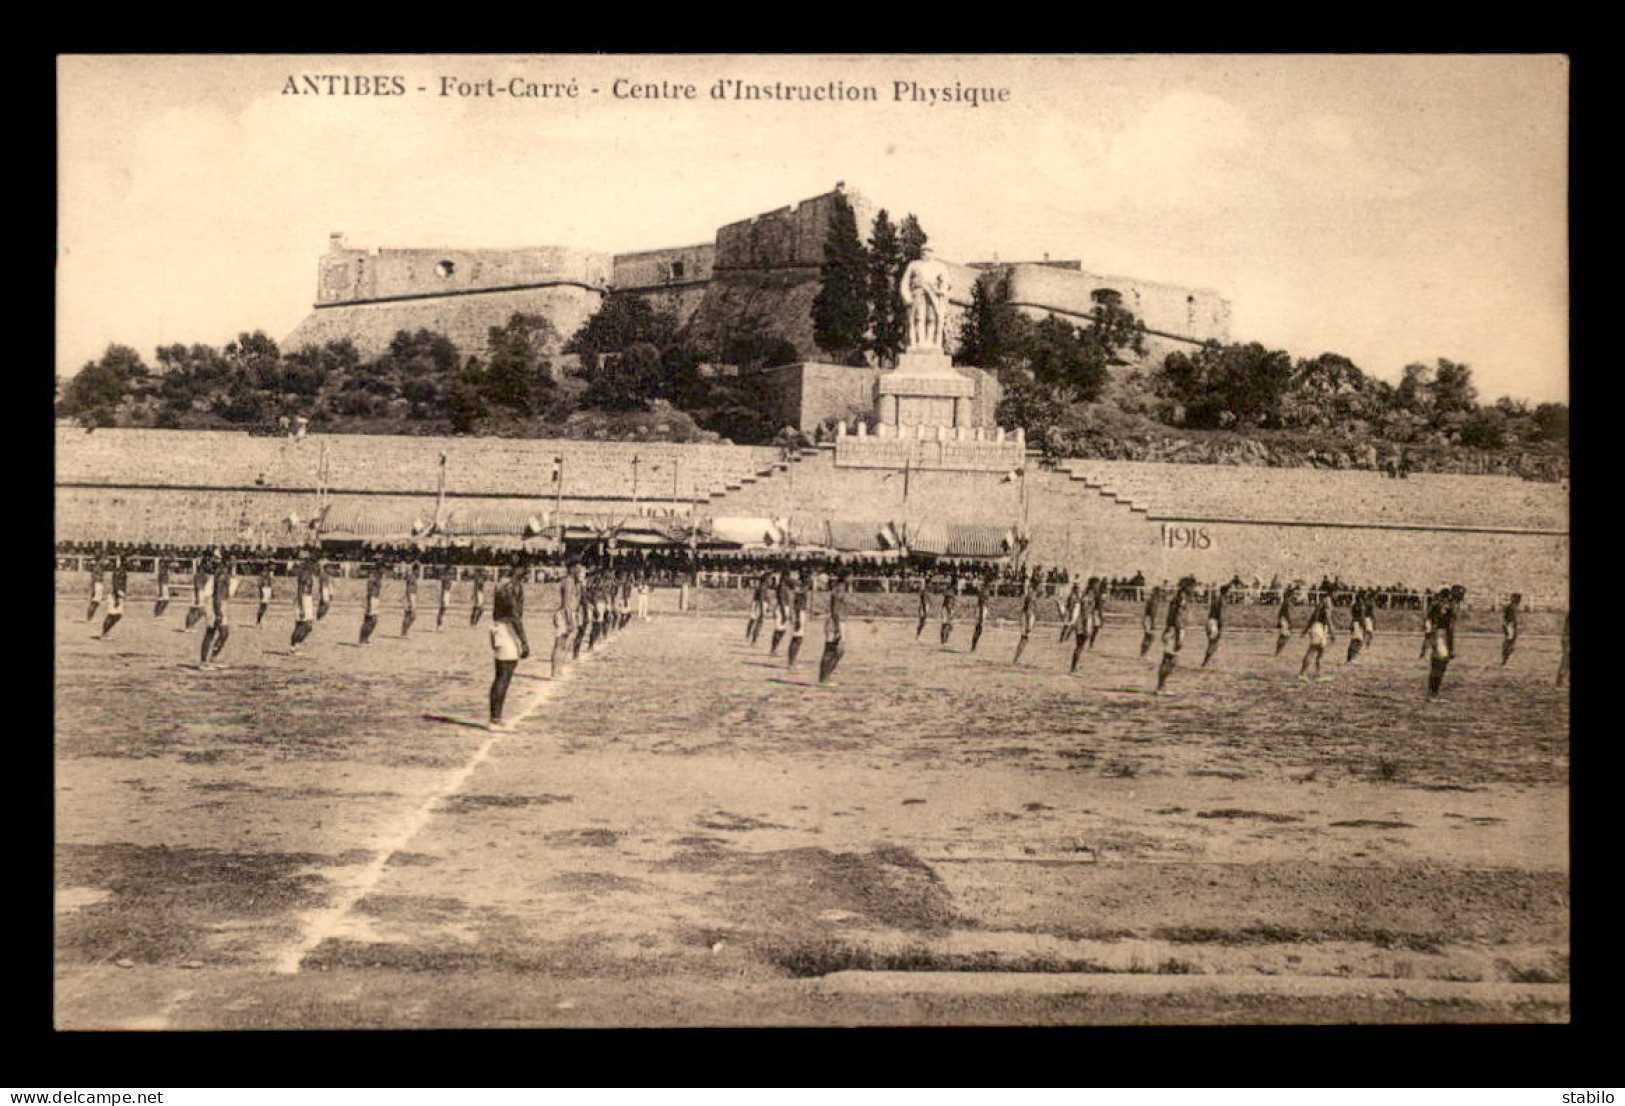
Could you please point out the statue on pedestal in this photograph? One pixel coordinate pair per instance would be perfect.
(924, 290)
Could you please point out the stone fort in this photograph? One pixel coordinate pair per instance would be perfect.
(759, 274)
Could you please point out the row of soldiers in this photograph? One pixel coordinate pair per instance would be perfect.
(216, 580)
(1082, 615)
(787, 597)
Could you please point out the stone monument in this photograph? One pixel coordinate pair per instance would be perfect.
(924, 389)
(926, 417)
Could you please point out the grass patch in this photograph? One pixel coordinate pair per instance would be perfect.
(811, 959)
(1271, 934)
(470, 804)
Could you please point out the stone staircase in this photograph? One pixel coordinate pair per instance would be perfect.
(1139, 506)
(762, 475)
(759, 476)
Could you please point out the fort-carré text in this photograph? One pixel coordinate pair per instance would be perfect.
(626, 88)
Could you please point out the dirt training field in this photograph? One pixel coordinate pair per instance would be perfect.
(682, 832)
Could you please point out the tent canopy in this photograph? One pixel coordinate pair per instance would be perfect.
(853, 536)
(366, 520)
(979, 540)
(928, 537)
(747, 531)
(521, 521)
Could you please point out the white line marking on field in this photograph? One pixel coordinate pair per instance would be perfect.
(320, 924)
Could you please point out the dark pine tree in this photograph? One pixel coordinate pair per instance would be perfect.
(995, 335)
(840, 312)
(911, 239)
(887, 324)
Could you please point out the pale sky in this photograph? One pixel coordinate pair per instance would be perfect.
(1392, 209)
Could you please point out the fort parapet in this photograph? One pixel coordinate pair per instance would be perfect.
(788, 237)
(760, 273)
(366, 295)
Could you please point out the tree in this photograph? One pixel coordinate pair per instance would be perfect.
(1485, 428)
(254, 362)
(840, 311)
(313, 375)
(619, 322)
(624, 348)
(1032, 406)
(994, 334)
(1221, 386)
(1061, 356)
(241, 404)
(888, 328)
(1552, 422)
(911, 240)
(425, 353)
(465, 404)
(1330, 392)
(1453, 398)
(520, 376)
(626, 381)
(98, 389)
(192, 377)
(1443, 396)
(754, 349)
(1415, 389)
(680, 379)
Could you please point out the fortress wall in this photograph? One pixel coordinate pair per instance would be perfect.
(680, 301)
(777, 303)
(649, 268)
(465, 319)
(1190, 312)
(787, 236)
(350, 274)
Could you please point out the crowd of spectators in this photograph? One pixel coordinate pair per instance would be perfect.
(673, 566)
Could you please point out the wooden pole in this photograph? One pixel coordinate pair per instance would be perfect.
(440, 493)
(558, 497)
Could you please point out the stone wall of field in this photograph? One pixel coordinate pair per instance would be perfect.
(1075, 525)
(1493, 535)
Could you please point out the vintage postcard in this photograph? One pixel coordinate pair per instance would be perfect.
(583, 540)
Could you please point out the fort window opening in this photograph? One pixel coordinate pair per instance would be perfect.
(677, 270)
(446, 269)
(1107, 297)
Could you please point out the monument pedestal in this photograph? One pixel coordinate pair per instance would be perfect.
(924, 390)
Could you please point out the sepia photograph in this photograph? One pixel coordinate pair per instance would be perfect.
(811, 540)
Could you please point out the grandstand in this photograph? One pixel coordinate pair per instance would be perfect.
(1305, 495)
(374, 464)
(1492, 534)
